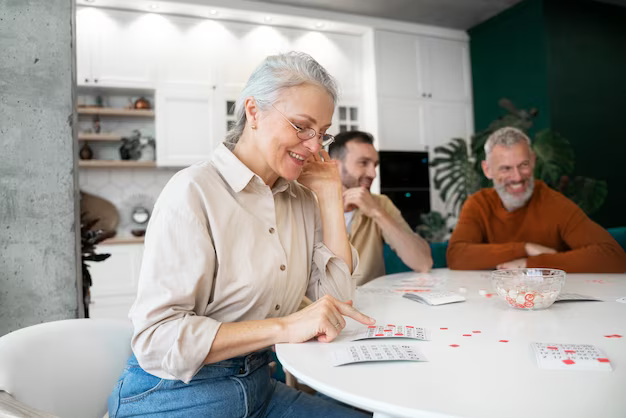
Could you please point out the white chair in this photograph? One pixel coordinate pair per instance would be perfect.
(66, 368)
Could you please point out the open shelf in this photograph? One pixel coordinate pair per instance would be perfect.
(109, 111)
(115, 164)
(85, 136)
(124, 240)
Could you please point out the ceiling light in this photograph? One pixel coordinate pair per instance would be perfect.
(268, 19)
(213, 12)
(89, 1)
(154, 6)
(320, 25)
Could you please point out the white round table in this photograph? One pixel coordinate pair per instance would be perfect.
(482, 377)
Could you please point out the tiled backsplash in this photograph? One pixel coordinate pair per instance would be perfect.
(126, 189)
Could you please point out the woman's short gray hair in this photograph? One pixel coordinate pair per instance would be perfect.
(505, 136)
(275, 74)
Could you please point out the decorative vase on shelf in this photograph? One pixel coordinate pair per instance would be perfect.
(142, 103)
(85, 152)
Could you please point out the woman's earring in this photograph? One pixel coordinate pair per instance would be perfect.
(253, 126)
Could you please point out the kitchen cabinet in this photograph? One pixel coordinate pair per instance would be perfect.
(420, 67)
(424, 94)
(114, 280)
(115, 49)
(402, 124)
(190, 123)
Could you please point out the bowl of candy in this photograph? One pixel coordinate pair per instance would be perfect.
(528, 288)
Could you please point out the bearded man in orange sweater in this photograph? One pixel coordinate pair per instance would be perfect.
(521, 222)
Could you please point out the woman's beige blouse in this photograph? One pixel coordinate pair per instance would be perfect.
(221, 246)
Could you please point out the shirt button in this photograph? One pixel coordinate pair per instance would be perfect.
(277, 307)
(283, 267)
(272, 230)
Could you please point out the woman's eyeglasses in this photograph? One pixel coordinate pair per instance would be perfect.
(307, 133)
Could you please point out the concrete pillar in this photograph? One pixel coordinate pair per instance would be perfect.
(39, 215)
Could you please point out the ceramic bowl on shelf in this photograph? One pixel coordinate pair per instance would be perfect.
(528, 288)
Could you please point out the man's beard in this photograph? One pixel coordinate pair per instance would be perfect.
(349, 181)
(511, 202)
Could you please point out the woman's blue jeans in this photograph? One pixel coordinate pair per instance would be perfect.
(238, 387)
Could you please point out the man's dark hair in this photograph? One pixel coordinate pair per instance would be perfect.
(337, 149)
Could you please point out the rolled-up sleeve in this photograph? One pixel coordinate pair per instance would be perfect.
(330, 274)
(172, 337)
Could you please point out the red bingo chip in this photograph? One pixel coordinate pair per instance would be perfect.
(570, 351)
(568, 362)
(443, 328)
(529, 304)
(467, 335)
(503, 341)
(454, 345)
(552, 348)
(603, 360)
(529, 296)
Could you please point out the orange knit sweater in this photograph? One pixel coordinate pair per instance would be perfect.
(487, 235)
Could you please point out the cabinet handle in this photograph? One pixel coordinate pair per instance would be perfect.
(86, 80)
(95, 80)
(423, 94)
(429, 94)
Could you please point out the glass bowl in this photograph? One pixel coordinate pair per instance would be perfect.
(528, 289)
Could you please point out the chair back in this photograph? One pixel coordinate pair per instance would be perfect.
(67, 368)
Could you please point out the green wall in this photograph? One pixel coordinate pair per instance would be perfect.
(587, 74)
(509, 60)
(567, 59)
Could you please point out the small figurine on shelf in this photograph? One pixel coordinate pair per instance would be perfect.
(96, 124)
(133, 146)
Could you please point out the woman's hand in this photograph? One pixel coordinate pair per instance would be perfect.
(322, 320)
(320, 173)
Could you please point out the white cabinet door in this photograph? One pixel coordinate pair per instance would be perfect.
(189, 124)
(398, 67)
(87, 22)
(187, 51)
(402, 125)
(124, 55)
(445, 122)
(445, 69)
(114, 280)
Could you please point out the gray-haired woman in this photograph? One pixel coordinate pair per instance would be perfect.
(233, 246)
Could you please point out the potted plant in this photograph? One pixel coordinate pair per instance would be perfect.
(135, 146)
(88, 240)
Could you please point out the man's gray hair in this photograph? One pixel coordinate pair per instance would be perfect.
(505, 136)
(275, 74)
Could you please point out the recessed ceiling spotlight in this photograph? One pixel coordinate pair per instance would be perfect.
(268, 19)
(154, 6)
(320, 25)
(213, 12)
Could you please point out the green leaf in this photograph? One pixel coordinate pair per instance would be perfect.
(555, 157)
(454, 176)
(433, 226)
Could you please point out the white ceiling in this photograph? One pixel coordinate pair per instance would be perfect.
(456, 14)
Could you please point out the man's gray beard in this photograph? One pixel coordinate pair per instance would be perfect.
(510, 202)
